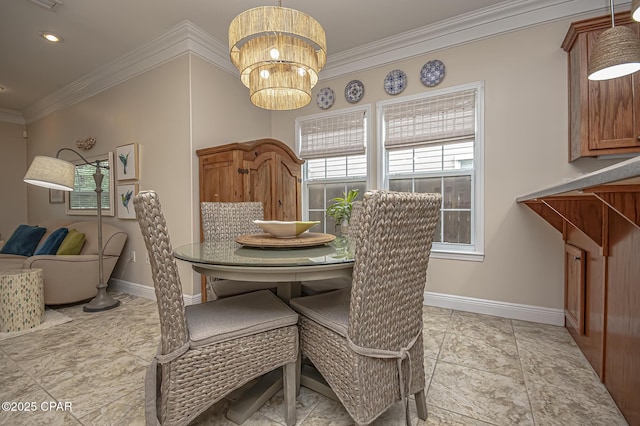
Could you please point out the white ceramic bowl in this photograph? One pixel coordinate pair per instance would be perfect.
(283, 229)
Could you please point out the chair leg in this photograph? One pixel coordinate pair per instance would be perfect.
(298, 372)
(289, 383)
(421, 404)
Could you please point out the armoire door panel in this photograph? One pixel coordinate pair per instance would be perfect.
(259, 183)
(288, 179)
(218, 181)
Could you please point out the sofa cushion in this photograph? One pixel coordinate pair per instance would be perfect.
(72, 243)
(53, 241)
(24, 240)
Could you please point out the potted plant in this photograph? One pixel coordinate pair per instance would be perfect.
(341, 209)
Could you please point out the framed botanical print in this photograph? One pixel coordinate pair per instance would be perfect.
(127, 163)
(124, 200)
(56, 196)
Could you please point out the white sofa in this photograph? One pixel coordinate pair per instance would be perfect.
(73, 278)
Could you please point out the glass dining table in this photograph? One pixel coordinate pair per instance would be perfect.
(287, 268)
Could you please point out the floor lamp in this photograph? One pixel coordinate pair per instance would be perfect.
(54, 173)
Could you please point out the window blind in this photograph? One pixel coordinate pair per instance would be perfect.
(332, 136)
(83, 196)
(437, 119)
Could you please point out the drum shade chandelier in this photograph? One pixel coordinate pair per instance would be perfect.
(279, 53)
(616, 53)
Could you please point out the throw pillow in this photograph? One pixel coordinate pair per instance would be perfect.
(72, 243)
(24, 240)
(53, 241)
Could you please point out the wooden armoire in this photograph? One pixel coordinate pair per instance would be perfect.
(265, 170)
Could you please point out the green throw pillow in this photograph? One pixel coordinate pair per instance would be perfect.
(72, 243)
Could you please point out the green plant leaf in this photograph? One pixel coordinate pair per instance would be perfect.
(341, 208)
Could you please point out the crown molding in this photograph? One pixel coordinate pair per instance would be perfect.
(186, 37)
(488, 22)
(11, 116)
(178, 40)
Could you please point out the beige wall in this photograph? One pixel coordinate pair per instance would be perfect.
(170, 111)
(221, 113)
(13, 192)
(151, 110)
(189, 104)
(525, 149)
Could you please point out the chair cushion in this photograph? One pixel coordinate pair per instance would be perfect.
(53, 241)
(311, 288)
(72, 243)
(237, 316)
(226, 288)
(24, 240)
(330, 309)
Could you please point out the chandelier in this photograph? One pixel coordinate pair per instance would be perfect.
(279, 53)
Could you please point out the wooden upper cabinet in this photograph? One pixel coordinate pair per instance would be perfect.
(264, 170)
(604, 116)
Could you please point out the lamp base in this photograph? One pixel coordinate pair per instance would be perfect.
(102, 302)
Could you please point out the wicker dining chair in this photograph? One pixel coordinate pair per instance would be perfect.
(367, 341)
(210, 349)
(222, 222)
(311, 288)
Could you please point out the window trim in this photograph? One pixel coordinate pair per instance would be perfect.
(439, 250)
(369, 181)
(110, 211)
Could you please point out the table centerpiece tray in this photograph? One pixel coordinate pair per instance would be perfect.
(307, 239)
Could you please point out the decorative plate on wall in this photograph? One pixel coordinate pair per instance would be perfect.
(432, 73)
(395, 82)
(325, 98)
(354, 91)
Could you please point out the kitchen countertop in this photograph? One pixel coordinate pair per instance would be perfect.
(624, 173)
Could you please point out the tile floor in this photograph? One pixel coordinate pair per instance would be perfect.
(481, 370)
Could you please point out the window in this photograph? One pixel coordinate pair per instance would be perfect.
(82, 200)
(433, 143)
(334, 146)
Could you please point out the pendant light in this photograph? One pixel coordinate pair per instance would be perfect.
(279, 53)
(635, 10)
(616, 53)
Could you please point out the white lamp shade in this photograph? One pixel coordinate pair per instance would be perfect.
(52, 173)
(635, 10)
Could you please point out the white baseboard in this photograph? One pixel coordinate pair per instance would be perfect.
(458, 303)
(147, 292)
(500, 309)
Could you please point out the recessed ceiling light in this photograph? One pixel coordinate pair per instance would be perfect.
(48, 4)
(52, 37)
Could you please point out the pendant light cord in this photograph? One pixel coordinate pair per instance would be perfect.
(613, 19)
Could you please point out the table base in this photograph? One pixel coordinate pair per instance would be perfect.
(269, 384)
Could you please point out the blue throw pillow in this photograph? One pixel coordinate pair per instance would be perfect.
(24, 240)
(52, 242)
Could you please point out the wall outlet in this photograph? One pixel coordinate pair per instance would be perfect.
(132, 256)
(147, 259)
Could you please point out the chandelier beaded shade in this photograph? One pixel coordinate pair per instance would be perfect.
(616, 53)
(279, 53)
